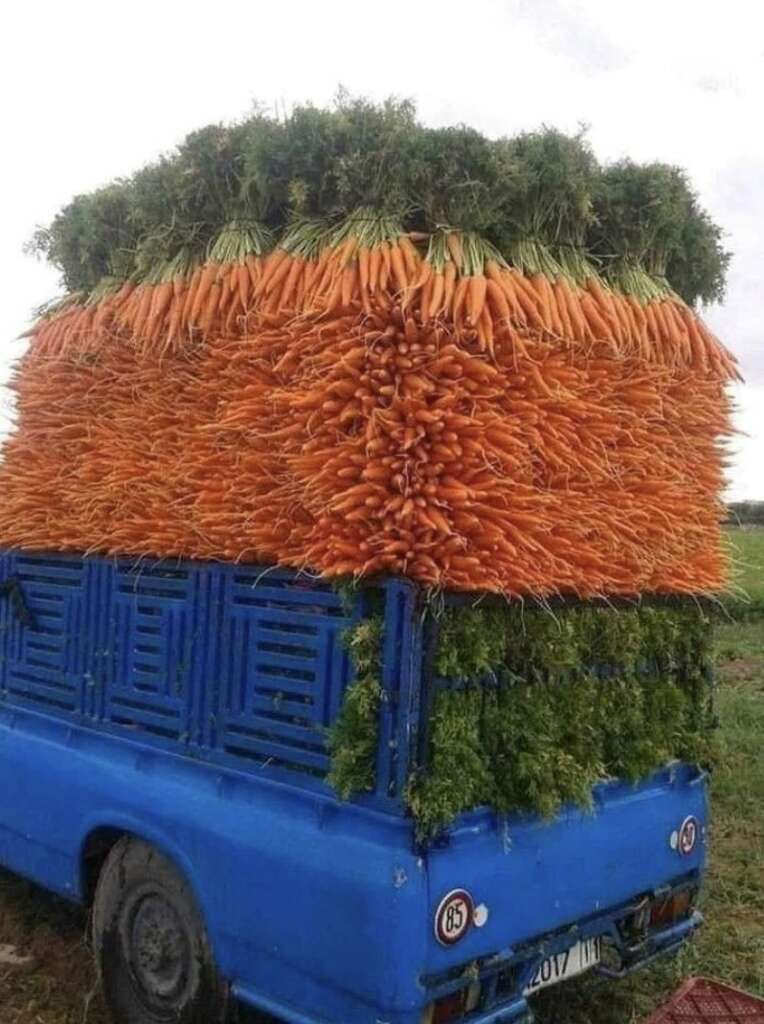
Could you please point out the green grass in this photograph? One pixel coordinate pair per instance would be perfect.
(747, 546)
(58, 986)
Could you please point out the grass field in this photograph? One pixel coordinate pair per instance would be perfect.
(747, 545)
(57, 985)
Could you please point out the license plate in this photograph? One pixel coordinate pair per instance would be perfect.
(561, 966)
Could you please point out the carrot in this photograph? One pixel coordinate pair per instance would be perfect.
(144, 308)
(163, 294)
(349, 283)
(229, 327)
(334, 299)
(210, 307)
(591, 311)
(529, 301)
(449, 286)
(225, 297)
(425, 297)
(375, 266)
(454, 243)
(363, 268)
(279, 274)
(435, 304)
(476, 297)
(411, 257)
(243, 285)
(272, 263)
(699, 354)
(600, 296)
(536, 285)
(573, 304)
(460, 297)
(507, 285)
(485, 331)
(556, 324)
(561, 304)
(207, 277)
(290, 282)
(190, 296)
(497, 301)
(398, 267)
(385, 265)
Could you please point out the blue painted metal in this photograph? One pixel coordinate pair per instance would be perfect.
(188, 703)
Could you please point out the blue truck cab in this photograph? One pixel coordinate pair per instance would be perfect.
(163, 752)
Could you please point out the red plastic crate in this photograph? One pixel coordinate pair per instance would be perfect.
(700, 1000)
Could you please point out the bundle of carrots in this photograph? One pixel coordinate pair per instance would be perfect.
(347, 342)
(368, 400)
(371, 266)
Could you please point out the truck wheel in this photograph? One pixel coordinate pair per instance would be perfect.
(154, 958)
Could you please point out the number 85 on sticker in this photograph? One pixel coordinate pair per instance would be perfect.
(454, 917)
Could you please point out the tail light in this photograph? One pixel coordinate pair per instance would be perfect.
(674, 907)
(453, 1007)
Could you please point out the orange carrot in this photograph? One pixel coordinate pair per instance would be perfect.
(597, 325)
(460, 298)
(436, 295)
(272, 263)
(363, 268)
(398, 268)
(476, 297)
(375, 266)
(454, 243)
(349, 283)
(385, 267)
(449, 286)
(208, 276)
(290, 282)
(497, 300)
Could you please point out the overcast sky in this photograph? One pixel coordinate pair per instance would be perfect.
(91, 90)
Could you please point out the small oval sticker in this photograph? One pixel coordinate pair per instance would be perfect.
(453, 917)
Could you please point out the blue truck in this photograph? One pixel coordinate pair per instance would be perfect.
(163, 756)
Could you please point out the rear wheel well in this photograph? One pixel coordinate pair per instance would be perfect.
(95, 852)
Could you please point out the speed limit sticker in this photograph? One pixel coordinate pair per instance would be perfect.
(453, 917)
(688, 836)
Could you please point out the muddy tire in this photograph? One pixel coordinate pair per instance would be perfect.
(154, 957)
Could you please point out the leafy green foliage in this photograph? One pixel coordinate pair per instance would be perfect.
(648, 216)
(326, 163)
(91, 238)
(541, 198)
(549, 194)
(472, 642)
(353, 736)
(551, 704)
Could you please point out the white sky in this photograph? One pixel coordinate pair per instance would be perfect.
(91, 90)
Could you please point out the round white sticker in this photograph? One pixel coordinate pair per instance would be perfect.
(453, 917)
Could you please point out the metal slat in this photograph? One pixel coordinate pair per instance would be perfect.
(284, 753)
(303, 734)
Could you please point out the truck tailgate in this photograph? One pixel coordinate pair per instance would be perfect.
(536, 877)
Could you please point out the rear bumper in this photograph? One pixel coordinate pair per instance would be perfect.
(505, 977)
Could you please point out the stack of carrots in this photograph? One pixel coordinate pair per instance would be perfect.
(363, 400)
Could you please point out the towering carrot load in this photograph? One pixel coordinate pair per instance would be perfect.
(474, 363)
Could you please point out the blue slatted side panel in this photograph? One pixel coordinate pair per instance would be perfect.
(45, 665)
(282, 669)
(231, 663)
(154, 634)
